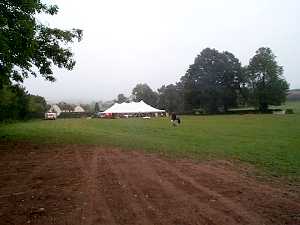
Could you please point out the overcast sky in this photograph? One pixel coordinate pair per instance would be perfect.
(126, 42)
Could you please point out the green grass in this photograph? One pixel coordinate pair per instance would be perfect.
(270, 142)
(295, 105)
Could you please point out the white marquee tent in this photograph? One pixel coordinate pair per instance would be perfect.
(132, 107)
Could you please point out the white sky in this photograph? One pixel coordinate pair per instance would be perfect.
(126, 42)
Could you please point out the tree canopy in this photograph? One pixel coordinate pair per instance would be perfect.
(37, 104)
(28, 47)
(265, 78)
(171, 98)
(16, 103)
(122, 98)
(216, 82)
(213, 81)
(145, 93)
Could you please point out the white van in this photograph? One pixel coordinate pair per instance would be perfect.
(50, 116)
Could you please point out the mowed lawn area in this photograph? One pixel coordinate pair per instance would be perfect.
(295, 105)
(270, 142)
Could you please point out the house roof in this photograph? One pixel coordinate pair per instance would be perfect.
(78, 108)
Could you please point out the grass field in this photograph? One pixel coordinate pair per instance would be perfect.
(295, 105)
(270, 142)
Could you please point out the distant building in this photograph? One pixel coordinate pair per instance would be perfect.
(55, 109)
(79, 109)
(66, 110)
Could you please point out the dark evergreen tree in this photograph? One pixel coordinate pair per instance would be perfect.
(97, 108)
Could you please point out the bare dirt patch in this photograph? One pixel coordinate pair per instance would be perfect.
(71, 184)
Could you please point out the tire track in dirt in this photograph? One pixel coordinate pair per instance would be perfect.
(132, 181)
(95, 209)
(228, 183)
(214, 199)
(120, 198)
(159, 198)
(186, 203)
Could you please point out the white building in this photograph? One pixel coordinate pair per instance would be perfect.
(79, 109)
(55, 109)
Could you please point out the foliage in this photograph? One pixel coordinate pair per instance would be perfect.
(295, 105)
(145, 93)
(48, 107)
(270, 142)
(289, 111)
(266, 82)
(17, 104)
(171, 98)
(13, 103)
(29, 47)
(97, 108)
(122, 98)
(216, 81)
(36, 104)
(87, 108)
(66, 106)
(105, 105)
(213, 81)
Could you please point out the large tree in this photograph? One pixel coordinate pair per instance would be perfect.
(171, 98)
(37, 104)
(213, 81)
(145, 93)
(13, 103)
(28, 47)
(267, 86)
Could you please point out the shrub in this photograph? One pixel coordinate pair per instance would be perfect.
(289, 111)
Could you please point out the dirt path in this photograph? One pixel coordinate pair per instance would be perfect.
(88, 185)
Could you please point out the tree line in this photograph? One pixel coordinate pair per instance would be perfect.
(17, 104)
(217, 81)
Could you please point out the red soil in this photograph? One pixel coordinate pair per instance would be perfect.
(70, 184)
